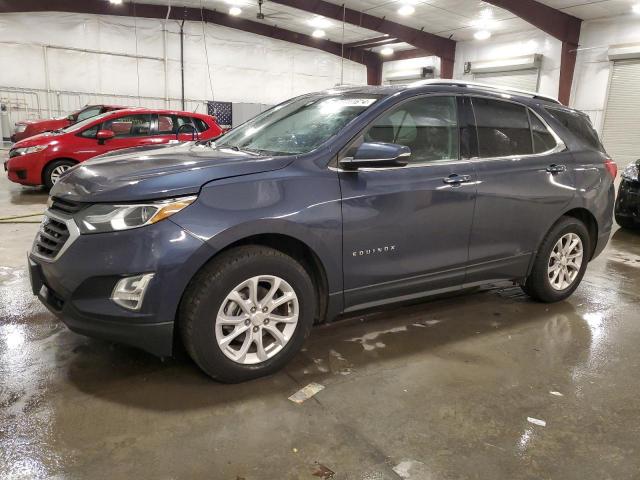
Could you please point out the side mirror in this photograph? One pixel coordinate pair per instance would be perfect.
(104, 135)
(377, 155)
(71, 118)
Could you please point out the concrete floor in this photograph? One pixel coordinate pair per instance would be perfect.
(441, 390)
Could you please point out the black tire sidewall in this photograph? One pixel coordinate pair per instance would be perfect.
(538, 283)
(205, 348)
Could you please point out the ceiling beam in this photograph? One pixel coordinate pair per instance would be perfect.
(142, 10)
(433, 44)
(372, 42)
(405, 54)
(560, 25)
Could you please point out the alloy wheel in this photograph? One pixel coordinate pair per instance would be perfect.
(59, 170)
(257, 319)
(565, 261)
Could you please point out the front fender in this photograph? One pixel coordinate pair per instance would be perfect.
(299, 204)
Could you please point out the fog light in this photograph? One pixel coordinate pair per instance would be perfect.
(129, 292)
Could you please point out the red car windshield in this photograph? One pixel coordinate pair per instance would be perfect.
(85, 123)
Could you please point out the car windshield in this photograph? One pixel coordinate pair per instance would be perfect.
(85, 123)
(299, 126)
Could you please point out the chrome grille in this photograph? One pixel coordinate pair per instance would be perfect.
(51, 238)
(65, 206)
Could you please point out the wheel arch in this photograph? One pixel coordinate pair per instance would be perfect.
(50, 161)
(586, 217)
(299, 251)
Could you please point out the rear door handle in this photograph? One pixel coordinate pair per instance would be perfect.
(553, 168)
(455, 179)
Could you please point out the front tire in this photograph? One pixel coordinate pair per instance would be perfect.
(560, 263)
(247, 313)
(53, 171)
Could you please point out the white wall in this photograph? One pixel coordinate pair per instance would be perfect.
(244, 67)
(412, 64)
(591, 78)
(514, 45)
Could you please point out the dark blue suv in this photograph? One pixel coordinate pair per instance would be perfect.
(331, 202)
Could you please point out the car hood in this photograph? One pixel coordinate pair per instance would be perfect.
(163, 172)
(51, 123)
(39, 139)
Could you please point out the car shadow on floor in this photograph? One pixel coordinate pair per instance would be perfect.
(337, 352)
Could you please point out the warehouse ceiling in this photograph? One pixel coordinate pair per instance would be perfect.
(458, 19)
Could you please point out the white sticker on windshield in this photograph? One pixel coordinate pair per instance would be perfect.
(350, 102)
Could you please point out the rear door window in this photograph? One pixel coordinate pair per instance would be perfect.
(503, 128)
(579, 125)
(166, 125)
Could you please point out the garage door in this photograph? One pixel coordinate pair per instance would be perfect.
(522, 79)
(622, 116)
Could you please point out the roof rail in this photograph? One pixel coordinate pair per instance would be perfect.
(464, 83)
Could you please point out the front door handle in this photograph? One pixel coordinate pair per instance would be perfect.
(553, 168)
(455, 179)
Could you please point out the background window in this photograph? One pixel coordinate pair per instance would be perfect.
(88, 113)
(201, 125)
(90, 132)
(543, 141)
(428, 126)
(166, 125)
(130, 125)
(503, 128)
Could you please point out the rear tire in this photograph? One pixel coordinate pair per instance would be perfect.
(53, 171)
(261, 299)
(559, 265)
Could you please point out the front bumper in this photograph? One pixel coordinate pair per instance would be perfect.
(25, 169)
(628, 201)
(77, 286)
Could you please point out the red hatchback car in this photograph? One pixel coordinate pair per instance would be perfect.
(40, 160)
(29, 128)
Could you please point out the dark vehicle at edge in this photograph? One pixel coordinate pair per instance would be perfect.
(328, 203)
(627, 209)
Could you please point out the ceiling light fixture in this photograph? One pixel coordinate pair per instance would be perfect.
(318, 33)
(482, 35)
(319, 22)
(386, 51)
(636, 8)
(115, 2)
(406, 10)
(235, 11)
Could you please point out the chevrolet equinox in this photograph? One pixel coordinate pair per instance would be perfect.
(328, 203)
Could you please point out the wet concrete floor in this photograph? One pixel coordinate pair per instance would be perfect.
(487, 385)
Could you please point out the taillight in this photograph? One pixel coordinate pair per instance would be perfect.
(612, 167)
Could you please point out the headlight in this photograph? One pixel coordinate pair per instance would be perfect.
(631, 172)
(27, 150)
(101, 218)
(20, 128)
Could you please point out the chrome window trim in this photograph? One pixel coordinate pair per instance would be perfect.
(74, 233)
(560, 145)
(427, 163)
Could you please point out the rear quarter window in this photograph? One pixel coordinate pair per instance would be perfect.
(579, 125)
